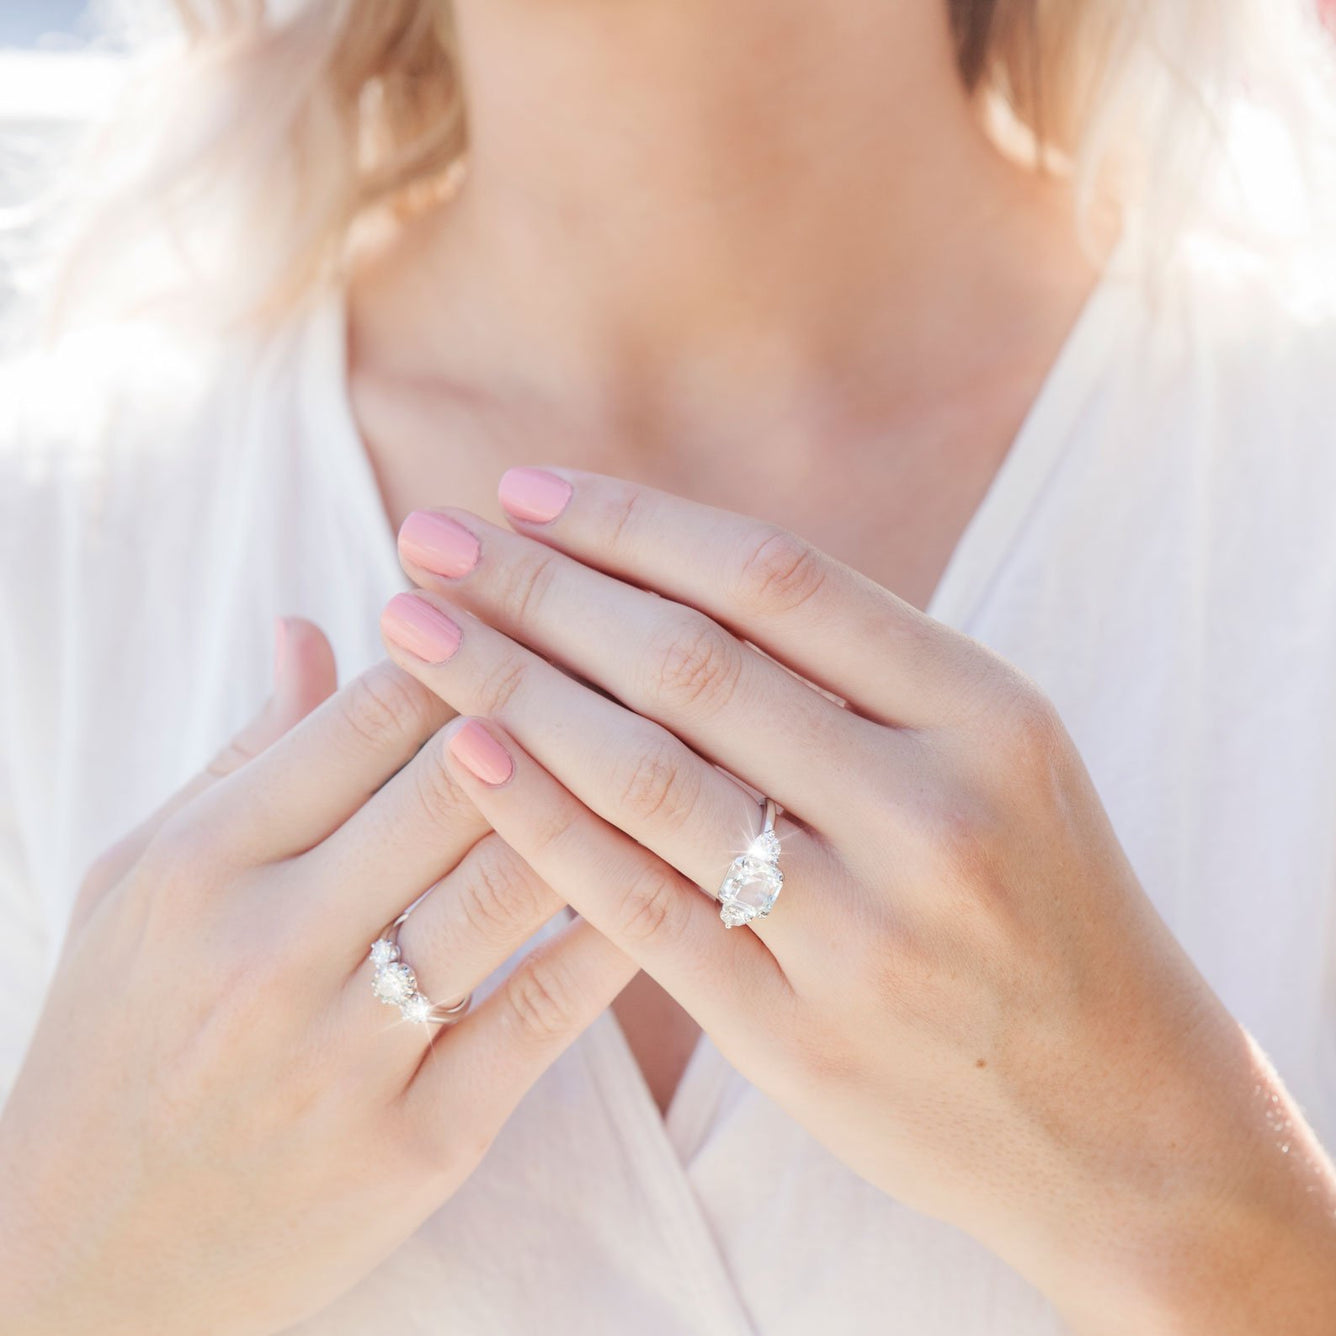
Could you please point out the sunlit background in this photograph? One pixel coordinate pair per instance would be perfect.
(33, 22)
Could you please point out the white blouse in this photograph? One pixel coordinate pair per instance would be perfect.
(1157, 551)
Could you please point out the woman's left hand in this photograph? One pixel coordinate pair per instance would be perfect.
(962, 990)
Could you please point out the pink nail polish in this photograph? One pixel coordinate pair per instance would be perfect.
(533, 494)
(413, 624)
(280, 646)
(480, 753)
(438, 543)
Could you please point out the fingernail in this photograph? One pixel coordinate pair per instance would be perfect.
(286, 683)
(437, 543)
(533, 494)
(280, 647)
(480, 753)
(413, 624)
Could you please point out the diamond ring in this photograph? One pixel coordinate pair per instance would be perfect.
(395, 984)
(753, 881)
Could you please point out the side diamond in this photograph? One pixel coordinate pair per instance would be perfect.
(383, 952)
(765, 847)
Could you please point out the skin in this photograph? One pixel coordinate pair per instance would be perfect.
(808, 271)
(224, 1158)
(962, 990)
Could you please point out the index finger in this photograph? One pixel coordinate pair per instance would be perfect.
(811, 612)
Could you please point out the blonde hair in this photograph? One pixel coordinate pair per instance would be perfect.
(277, 129)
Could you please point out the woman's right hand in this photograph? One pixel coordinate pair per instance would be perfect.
(217, 1128)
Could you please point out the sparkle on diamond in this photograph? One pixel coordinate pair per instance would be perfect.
(395, 983)
(765, 847)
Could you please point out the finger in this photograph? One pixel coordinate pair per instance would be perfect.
(304, 675)
(406, 836)
(628, 770)
(310, 781)
(816, 614)
(472, 920)
(645, 907)
(467, 925)
(660, 658)
(476, 1072)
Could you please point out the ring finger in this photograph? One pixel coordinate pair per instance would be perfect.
(466, 925)
(628, 770)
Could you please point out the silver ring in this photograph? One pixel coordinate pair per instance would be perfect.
(395, 984)
(754, 879)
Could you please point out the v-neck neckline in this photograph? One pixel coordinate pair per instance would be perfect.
(990, 534)
(973, 566)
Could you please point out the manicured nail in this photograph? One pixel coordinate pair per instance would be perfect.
(413, 624)
(480, 753)
(280, 646)
(437, 543)
(533, 494)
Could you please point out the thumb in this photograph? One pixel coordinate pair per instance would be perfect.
(304, 675)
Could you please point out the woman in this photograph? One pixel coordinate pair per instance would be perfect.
(1035, 1032)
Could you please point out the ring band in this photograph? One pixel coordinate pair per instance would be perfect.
(754, 879)
(395, 984)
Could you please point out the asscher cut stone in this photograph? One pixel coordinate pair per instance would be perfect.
(749, 890)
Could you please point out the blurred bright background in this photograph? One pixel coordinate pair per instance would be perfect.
(28, 22)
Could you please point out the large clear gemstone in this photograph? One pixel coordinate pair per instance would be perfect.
(751, 887)
(395, 983)
(732, 916)
(417, 1008)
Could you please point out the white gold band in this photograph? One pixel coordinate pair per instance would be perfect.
(395, 984)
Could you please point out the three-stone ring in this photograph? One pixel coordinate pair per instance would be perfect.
(395, 984)
(754, 880)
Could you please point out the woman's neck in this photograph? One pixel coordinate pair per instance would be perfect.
(690, 217)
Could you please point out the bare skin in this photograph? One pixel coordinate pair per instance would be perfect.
(801, 285)
(806, 287)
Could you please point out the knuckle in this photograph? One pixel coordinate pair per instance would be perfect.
(437, 790)
(658, 786)
(541, 998)
(623, 508)
(698, 665)
(652, 906)
(960, 848)
(385, 705)
(972, 897)
(549, 831)
(183, 850)
(500, 684)
(524, 584)
(1033, 735)
(229, 759)
(778, 572)
(498, 896)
